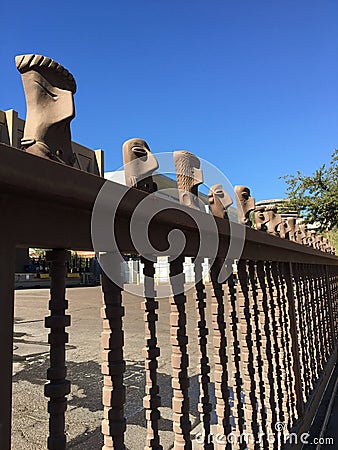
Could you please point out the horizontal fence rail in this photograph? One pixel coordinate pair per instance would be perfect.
(267, 349)
(62, 191)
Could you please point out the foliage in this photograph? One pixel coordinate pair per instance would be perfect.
(315, 197)
(332, 236)
(36, 252)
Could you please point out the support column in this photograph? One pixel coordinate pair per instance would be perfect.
(220, 344)
(7, 252)
(204, 405)
(179, 358)
(113, 364)
(295, 338)
(58, 387)
(152, 400)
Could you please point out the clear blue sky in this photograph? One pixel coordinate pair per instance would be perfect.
(249, 85)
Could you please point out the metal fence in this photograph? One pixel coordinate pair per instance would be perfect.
(274, 319)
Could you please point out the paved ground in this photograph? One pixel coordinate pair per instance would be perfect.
(30, 420)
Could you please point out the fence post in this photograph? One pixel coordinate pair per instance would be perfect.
(293, 329)
(204, 405)
(220, 343)
(152, 400)
(113, 364)
(7, 259)
(179, 358)
(58, 387)
(330, 306)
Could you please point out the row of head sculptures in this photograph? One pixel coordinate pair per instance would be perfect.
(140, 164)
(266, 218)
(49, 90)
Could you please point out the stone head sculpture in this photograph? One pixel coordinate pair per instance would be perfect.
(329, 248)
(287, 228)
(139, 165)
(274, 220)
(297, 232)
(189, 176)
(245, 204)
(325, 245)
(301, 233)
(318, 242)
(261, 218)
(49, 90)
(219, 201)
(311, 238)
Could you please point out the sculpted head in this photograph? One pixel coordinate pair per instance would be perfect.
(319, 242)
(328, 247)
(189, 176)
(139, 165)
(325, 244)
(287, 228)
(245, 204)
(311, 238)
(49, 90)
(301, 233)
(219, 201)
(261, 218)
(274, 220)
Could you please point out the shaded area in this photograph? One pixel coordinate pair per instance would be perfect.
(87, 382)
(332, 428)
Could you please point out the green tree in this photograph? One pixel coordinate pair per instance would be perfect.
(315, 197)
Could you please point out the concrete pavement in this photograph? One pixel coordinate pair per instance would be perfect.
(30, 419)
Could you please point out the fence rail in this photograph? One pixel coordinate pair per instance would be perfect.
(273, 328)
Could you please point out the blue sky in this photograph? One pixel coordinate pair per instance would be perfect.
(249, 85)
